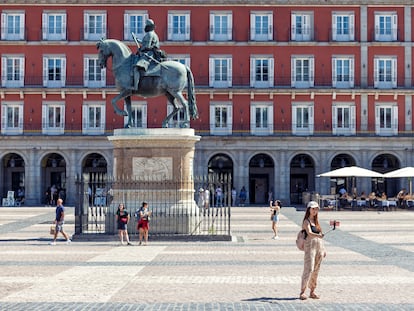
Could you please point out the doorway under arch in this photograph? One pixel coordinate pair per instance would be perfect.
(302, 177)
(53, 178)
(261, 179)
(13, 176)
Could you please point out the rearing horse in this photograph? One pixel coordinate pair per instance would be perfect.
(170, 81)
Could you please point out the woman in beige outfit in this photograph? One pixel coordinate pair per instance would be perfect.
(314, 250)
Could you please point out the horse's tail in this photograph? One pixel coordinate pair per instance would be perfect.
(192, 103)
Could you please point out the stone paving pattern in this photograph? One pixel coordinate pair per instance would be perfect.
(369, 266)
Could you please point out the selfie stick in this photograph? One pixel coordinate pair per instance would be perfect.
(333, 224)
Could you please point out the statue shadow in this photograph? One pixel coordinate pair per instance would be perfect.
(271, 299)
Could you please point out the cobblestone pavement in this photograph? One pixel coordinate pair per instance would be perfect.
(370, 266)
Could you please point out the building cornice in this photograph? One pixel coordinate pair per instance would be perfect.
(226, 3)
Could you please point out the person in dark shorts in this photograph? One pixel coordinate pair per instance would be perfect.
(122, 218)
(143, 223)
(59, 221)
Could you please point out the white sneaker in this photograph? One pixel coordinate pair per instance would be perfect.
(68, 241)
(276, 237)
(52, 243)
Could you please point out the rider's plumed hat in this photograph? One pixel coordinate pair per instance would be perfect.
(149, 22)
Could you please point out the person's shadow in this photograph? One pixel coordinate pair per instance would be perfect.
(271, 299)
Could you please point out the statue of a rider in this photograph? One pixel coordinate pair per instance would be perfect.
(148, 50)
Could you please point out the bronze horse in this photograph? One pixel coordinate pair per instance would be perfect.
(171, 80)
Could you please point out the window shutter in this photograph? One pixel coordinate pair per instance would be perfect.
(270, 118)
(3, 25)
(127, 27)
(63, 81)
(311, 72)
(394, 72)
(85, 26)
(45, 70)
(187, 27)
(294, 120)
(394, 27)
(213, 125)
(252, 71)
(44, 26)
(395, 120)
(270, 17)
(104, 31)
(292, 72)
(86, 72)
(21, 71)
(230, 27)
(353, 120)
(334, 72)
(351, 72)
(103, 77)
(376, 70)
(3, 71)
(311, 120)
(352, 27)
(3, 118)
(377, 23)
(64, 25)
(84, 118)
(252, 119)
(45, 124)
(271, 72)
(229, 118)
(334, 26)
(211, 71)
(62, 112)
(293, 27)
(230, 72)
(334, 120)
(252, 26)
(377, 120)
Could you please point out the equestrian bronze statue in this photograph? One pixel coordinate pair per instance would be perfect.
(167, 78)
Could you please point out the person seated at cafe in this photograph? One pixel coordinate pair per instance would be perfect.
(400, 198)
(384, 201)
(343, 200)
(363, 196)
(372, 200)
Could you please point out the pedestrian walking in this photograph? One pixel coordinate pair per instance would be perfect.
(59, 221)
(143, 223)
(275, 207)
(314, 250)
(122, 219)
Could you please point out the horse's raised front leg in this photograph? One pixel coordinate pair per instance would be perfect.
(129, 111)
(123, 94)
(175, 111)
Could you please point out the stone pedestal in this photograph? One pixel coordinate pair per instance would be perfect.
(156, 165)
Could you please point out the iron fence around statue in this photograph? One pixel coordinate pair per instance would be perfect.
(174, 213)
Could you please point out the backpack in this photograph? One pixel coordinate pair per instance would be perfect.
(300, 240)
(137, 214)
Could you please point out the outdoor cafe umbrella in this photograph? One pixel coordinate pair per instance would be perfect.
(401, 173)
(351, 171)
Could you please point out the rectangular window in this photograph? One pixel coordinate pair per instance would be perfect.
(178, 26)
(261, 118)
(53, 118)
(301, 27)
(221, 26)
(12, 26)
(385, 72)
(54, 71)
(94, 25)
(302, 72)
(94, 76)
(220, 71)
(302, 119)
(221, 118)
(12, 71)
(343, 119)
(386, 27)
(343, 72)
(386, 119)
(93, 116)
(343, 26)
(261, 72)
(134, 21)
(54, 26)
(139, 114)
(12, 118)
(261, 26)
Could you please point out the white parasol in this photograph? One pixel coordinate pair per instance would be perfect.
(401, 173)
(351, 171)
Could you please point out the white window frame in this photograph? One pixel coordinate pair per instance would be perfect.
(301, 127)
(386, 79)
(391, 128)
(53, 129)
(338, 21)
(221, 129)
(302, 82)
(18, 34)
(184, 59)
(390, 32)
(178, 34)
(138, 29)
(95, 35)
(217, 32)
(306, 28)
(346, 62)
(45, 25)
(54, 83)
(347, 127)
(138, 106)
(7, 128)
(86, 128)
(17, 65)
(98, 71)
(262, 129)
(271, 71)
(228, 65)
(261, 35)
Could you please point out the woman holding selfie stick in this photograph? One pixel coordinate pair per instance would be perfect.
(314, 250)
